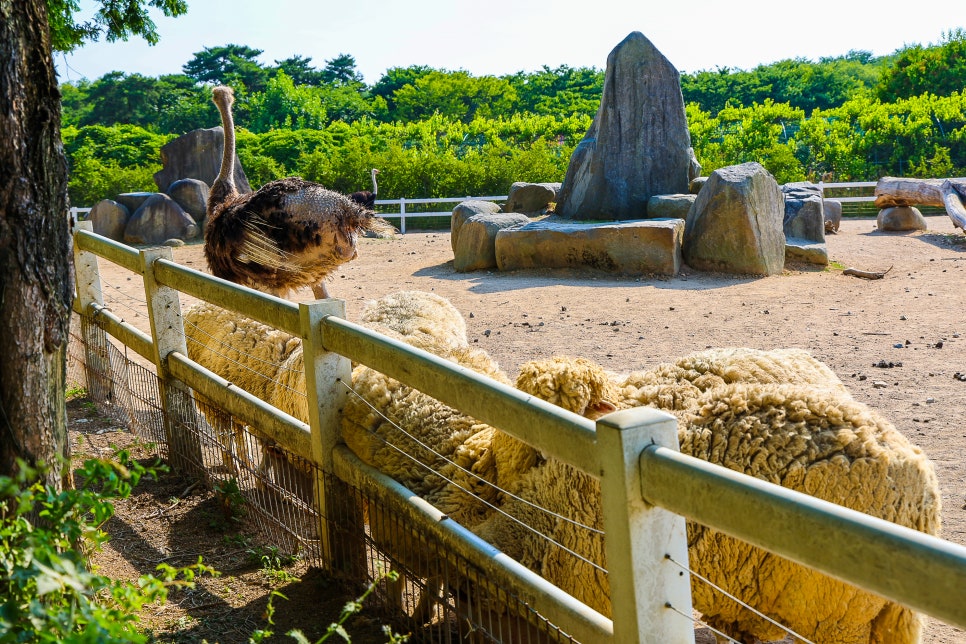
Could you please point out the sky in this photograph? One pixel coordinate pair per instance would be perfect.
(506, 36)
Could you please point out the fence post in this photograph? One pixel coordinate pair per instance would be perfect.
(402, 215)
(644, 584)
(342, 526)
(167, 333)
(97, 360)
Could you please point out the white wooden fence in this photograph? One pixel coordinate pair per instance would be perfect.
(647, 486)
(398, 207)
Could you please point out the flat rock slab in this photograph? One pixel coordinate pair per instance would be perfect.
(636, 247)
(804, 250)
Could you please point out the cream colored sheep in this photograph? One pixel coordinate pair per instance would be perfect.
(813, 438)
(244, 352)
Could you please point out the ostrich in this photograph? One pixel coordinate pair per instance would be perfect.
(288, 234)
(364, 197)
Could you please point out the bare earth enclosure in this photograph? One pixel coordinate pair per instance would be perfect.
(898, 343)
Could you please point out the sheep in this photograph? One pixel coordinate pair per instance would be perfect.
(244, 352)
(810, 436)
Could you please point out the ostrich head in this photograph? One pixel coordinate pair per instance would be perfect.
(224, 185)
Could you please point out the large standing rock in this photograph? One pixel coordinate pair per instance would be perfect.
(735, 225)
(158, 220)
(901, 218)
(531, 197)
(109, 219)
(638, 144)
(629, 247)
(197, 155)
(476, 248)
(804, 211)
(463, 211)
(191, 195)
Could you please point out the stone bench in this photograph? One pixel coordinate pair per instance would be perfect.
(636, 247)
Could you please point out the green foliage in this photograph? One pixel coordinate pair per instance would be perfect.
(917, 70)
(115, 20)
(48, 593)
(106, 161)
(227, 65)
(454, 95)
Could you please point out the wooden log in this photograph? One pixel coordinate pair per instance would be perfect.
(954, 203)
(902, 191)
(945, 193)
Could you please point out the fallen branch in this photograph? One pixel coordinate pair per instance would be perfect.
(868, 275)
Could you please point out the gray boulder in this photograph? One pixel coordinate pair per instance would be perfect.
(901, 218)
(133, 200)
(806, 251)
(695, 185)
(197, 155)
(638, 144)
(476, 248)
(191, 195)
(158, 220)
(735, 225)
(804, 212)
(629, 247)
(531, 197)
(109, 219)
(833, 215)
(463, 211)
(669, 206)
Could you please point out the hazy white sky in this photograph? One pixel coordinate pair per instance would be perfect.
(506, 36)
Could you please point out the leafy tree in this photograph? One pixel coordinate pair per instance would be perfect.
(394, 79)
(300, 70)
(561, 91)
(456, 95)
(341, 70)
(939, 70)
(115, 20)
(283, 105)
(228, 64)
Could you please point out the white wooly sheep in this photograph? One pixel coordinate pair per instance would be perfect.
(809, 436)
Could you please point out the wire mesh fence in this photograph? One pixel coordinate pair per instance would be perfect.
(437, 595)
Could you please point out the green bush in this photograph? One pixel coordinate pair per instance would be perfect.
(48, 592)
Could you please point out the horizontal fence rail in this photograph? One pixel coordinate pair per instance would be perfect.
(907, 566)
(560, 433)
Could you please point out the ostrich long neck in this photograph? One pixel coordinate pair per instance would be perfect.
(375, 186)
(227, 174)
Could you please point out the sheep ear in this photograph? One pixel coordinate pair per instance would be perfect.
(604, 407)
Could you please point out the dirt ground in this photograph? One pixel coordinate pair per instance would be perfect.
(899, 344)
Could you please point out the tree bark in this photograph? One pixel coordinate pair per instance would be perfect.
(35, 269)
(943, 193)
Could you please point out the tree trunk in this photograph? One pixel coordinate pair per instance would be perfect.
(35, 268)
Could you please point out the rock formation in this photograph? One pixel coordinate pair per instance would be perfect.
(735, 225)
(197, 155)
(638, 144)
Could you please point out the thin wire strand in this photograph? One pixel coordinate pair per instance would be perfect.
(483, 501)
(735, 599)
(118, 289)
(473, 474)
(276, 365)
(698, 622)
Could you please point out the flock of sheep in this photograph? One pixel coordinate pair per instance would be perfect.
(780, 416)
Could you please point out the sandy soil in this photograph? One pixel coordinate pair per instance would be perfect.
(911, 319)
